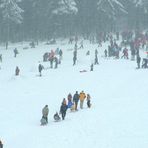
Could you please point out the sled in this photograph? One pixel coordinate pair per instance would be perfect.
(81, 71)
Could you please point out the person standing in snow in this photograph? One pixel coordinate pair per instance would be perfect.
(63, 109)
(76, 100)
(1, 58)
(74, 57)
(70, 103)
(92, 67)
(15, 52)
(56, 62)
(88, 101)
(61, 54)
(1, 144)
(105, 52)
(17, 71)
(138, 61)
(82, 97)
(96, 60)
(40, 68)
(45, 112)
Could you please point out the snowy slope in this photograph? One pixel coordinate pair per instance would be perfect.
(117, 119)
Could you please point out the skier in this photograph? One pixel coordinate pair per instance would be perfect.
(40, 68)
(88, 101)
(45, 112)
(1, 144)
(17, 71)
(56, 117)
(76, 100)
(63, 109)
(82, 97)
(138, 61)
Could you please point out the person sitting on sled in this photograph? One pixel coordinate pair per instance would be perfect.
(56, 117)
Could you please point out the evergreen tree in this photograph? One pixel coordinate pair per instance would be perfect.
(11, 12)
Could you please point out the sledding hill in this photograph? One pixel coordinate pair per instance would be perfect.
(117, 119)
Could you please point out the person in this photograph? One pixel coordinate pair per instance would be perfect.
(45, 112)
(82, 97)
(61, 54)
(81, 45)
(15, 52)
(1, 58)
(92, 67)
(74, 57)
(70, 103)
(96, 60)
(76, 100)
(96, 52)
(105, 52)
(63, 109)
(56, 62)
(88, 101)
(1, 144)
(40, 68)
(138, 61)
(144, 63)
(17, 71)
(56, 117)
(32, 44)
(88, 53)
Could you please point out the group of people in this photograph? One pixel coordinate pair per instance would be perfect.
(71, 103)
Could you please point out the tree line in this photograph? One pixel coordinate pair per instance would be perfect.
(22, 20)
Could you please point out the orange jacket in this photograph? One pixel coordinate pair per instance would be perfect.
(82, 96)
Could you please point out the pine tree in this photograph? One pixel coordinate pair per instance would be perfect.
(65, 7)
(111, 7)
(11, 12)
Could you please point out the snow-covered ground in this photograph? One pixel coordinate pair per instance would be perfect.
(118, 117)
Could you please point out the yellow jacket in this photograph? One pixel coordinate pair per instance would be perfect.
(82, 96)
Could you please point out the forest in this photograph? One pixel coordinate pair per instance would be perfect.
(25, 20)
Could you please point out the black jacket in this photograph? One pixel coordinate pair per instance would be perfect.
(63, 108)
(76, 97)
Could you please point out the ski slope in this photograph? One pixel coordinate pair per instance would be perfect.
(117, 119)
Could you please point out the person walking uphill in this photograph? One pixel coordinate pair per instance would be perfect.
(45, 112)
(76, 100)
(63, 109)
(88, 101)
(82, 97)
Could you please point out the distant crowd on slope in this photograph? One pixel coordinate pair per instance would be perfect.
(119, 46)
(70, 103)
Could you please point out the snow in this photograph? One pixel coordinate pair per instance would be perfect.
(117, 119)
